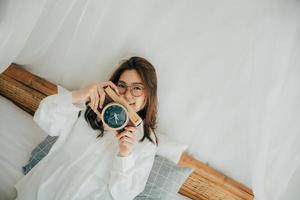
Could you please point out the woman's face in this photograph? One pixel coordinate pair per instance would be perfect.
(131, 87)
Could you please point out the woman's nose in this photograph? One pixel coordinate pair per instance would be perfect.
(128, 95)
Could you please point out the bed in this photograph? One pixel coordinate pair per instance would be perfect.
(26, 90)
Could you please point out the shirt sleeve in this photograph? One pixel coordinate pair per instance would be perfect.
(129, 176)
(55, 111)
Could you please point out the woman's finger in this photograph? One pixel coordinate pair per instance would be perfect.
(101, 94)
(112, 85)
(126, 143)
(92, 97)
(96, 100)
(95, 92)
(131, 129)
(125, 133)
(132, 140)
(102, 99)
(126, 139)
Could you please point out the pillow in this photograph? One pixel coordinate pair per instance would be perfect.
(165, 180)
(169, 148)
(39, 152)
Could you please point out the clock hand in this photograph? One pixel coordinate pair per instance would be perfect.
(116, 117)
(111, 117)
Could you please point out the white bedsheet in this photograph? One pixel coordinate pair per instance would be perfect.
(19, 135)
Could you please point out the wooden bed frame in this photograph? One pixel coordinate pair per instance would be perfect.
(26, 90)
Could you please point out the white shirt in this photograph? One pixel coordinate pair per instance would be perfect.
(79, 165)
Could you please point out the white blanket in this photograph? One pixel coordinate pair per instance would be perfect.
(18, 136)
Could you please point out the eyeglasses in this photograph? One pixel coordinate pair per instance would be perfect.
(136, 89)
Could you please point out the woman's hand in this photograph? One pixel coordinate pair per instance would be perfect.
(127, 140)
(94, 93)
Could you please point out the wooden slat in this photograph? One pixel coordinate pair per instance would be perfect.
(207, 183)
(23, 88)
(25, 97)
(16, 72)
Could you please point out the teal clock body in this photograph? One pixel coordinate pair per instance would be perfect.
(114, 116)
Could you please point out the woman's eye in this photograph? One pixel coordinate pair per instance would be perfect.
(121, 86)
(137, 88)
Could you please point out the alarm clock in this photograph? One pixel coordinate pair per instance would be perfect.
(115, 116)
(116, 112)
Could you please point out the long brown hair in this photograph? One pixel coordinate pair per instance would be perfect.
(148, 75)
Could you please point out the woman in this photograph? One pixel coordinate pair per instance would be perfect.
(84, 164)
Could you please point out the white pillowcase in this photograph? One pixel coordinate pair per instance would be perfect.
(169, 148)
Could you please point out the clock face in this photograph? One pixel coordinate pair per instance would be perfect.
(115, 116)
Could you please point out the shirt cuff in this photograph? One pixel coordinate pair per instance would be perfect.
(65, 100)
(123, 164)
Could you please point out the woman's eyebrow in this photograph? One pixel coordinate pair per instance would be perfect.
(134, 83)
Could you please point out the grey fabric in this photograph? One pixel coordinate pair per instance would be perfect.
(39, 152)
(165, 180)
